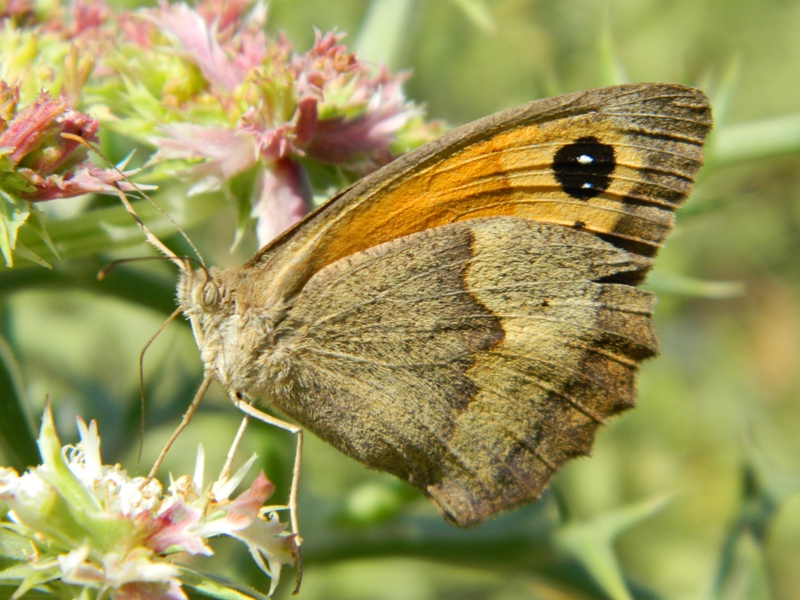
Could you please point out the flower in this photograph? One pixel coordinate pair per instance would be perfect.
(93, 526)
(257, 103)
(37, 162)
(43, 158)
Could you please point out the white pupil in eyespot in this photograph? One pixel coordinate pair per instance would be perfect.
(585, 159)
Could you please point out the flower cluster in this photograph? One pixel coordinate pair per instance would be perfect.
(249, 101)
(204, 87)
(93, 527)
(38, 162)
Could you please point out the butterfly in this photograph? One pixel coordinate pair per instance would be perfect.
(466, 317)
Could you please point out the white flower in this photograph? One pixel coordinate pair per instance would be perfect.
(92, 525)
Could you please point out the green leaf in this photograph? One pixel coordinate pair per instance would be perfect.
(17, 574)
(13, 548)
(110, 228)
(591, 543)
(753, 140)
(239, 191)
(34, 594)
(611, 67)
(722, 98)
(13, 213)
(478, 14)
(207, 585)
(745, 576)
(384, 31)
(16, 434)
(679, 285)
(36, 221)
(742, 571)
(21, 251)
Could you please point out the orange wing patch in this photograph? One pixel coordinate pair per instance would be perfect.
(612, 164)
(514, 174)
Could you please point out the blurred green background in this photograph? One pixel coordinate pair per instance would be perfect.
(692, 495)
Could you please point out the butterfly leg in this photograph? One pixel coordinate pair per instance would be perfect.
(187, 417)
(226, 468)
(250, 411)
(298, 431)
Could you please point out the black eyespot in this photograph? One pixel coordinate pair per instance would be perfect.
(583, 168)
(238, 395)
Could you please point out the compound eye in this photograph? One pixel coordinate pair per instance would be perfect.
(210, 295)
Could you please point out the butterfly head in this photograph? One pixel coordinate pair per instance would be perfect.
(234, 329)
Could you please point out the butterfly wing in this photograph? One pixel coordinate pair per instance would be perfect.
(614, 161)
(470, 360)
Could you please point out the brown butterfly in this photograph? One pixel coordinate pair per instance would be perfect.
(466, 318)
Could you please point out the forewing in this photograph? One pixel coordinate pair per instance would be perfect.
(614, 161)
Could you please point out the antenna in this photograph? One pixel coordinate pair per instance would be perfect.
(101, 275)
(126, 203)
(182, 264)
